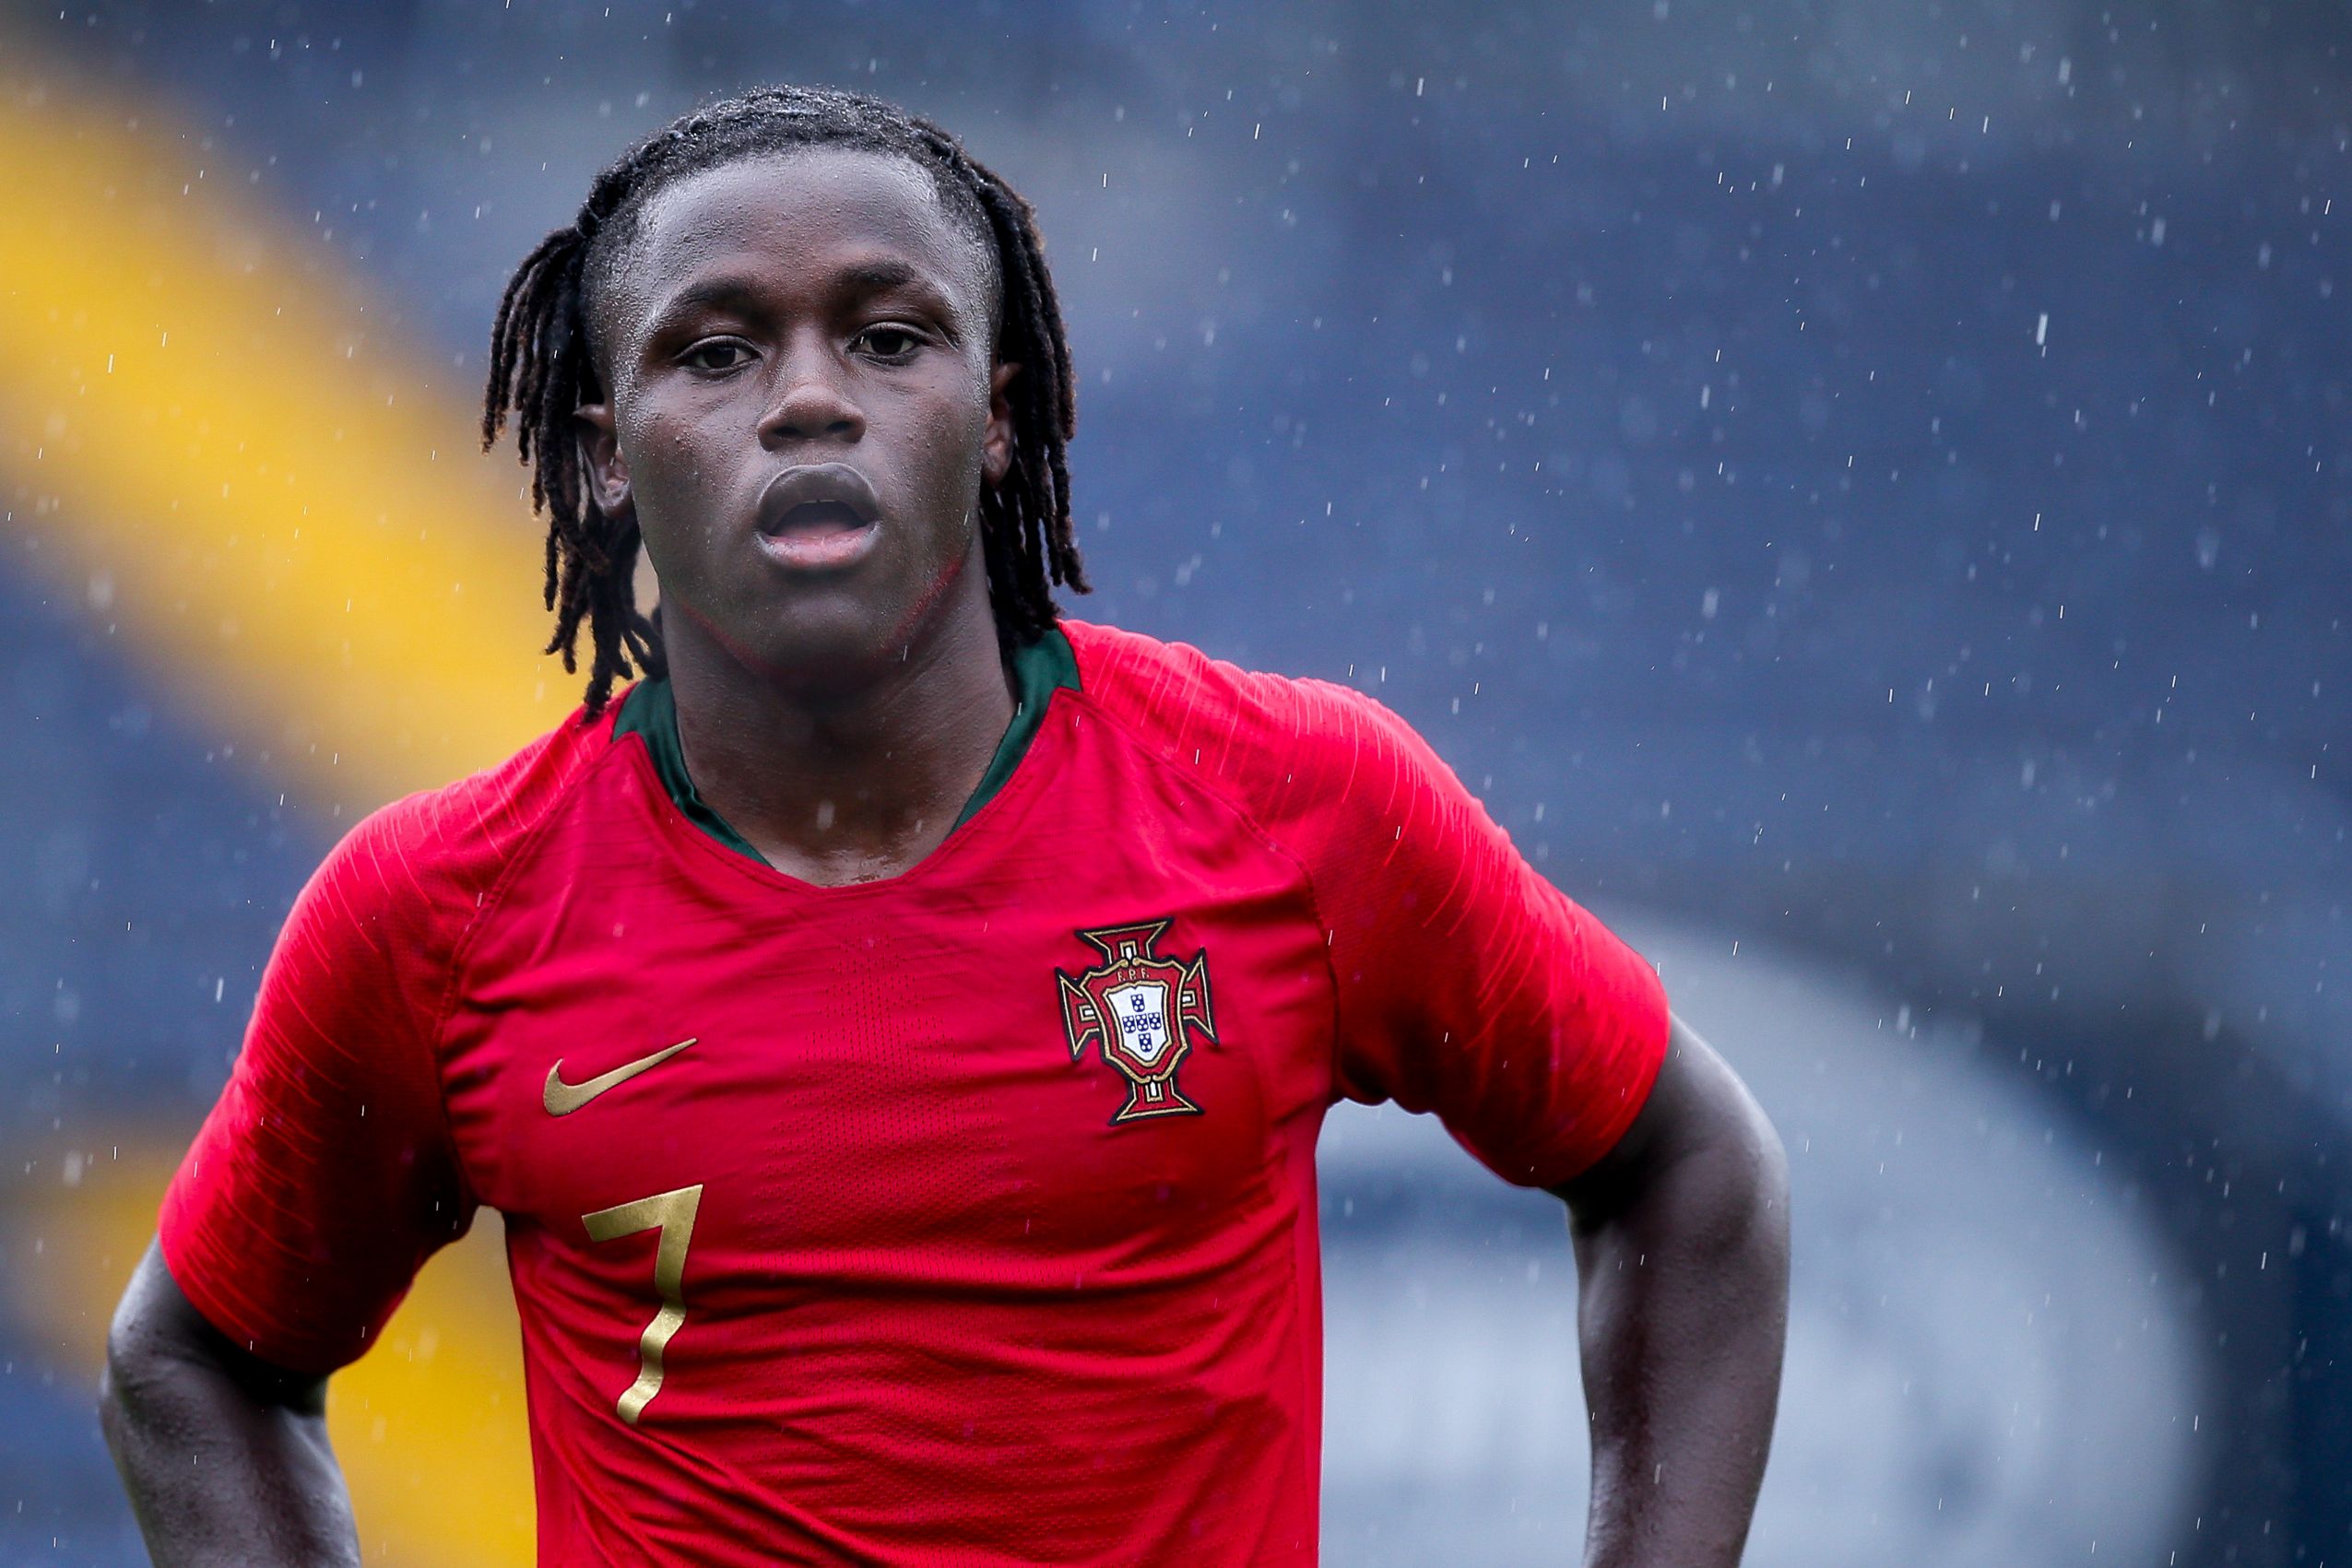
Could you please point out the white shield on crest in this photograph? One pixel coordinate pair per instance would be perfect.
(1141, 1011)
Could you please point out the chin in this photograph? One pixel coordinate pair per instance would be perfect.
(842, 642)
(839, 631)
(817, 648)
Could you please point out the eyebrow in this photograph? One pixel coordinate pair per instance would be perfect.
(883, 272)
(726, 289)
(870, 277)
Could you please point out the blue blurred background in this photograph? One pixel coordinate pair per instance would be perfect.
(1859, 490)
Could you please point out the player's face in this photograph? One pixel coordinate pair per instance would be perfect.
(803, 408)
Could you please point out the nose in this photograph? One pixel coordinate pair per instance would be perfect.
(812, 400)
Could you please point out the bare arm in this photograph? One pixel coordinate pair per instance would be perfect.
(225, 1456)
(1682, 1244)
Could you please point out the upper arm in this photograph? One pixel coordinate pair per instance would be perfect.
(1697, 1105)
(1467, 984)
(155, 1327)
(323, 1176)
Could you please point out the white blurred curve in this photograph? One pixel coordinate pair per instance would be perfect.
(1988, 1362)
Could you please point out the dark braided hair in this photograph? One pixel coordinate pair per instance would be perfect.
(543, 366)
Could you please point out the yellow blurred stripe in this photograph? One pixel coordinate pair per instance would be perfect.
(430, 1425)
(210, 439)
(205, 436)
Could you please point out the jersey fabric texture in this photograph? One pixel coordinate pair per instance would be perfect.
(963, 1217)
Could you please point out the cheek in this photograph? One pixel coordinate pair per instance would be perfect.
(674, 492)
(652, 441)
(948, 461)
(666, 460)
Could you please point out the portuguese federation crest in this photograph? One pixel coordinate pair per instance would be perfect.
(1144, 1011)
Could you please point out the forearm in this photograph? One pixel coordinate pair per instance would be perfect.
(1684, 1270)
(226, 1462)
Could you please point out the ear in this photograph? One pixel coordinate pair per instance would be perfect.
(600, 459)
(996, 447)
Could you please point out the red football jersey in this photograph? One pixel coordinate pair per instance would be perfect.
(967, 1216)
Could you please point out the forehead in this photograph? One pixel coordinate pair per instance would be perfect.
(794, 217)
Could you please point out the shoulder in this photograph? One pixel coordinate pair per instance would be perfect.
(416, 871)
(1293, 751)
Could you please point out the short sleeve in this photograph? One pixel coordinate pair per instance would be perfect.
(325, 1177)
(1467, 984)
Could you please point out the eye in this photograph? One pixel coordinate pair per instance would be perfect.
(889, 341)
(715, 354)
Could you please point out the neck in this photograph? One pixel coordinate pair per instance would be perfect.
(853, 781)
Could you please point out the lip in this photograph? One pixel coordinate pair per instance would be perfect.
(824, 484)
(822, 552)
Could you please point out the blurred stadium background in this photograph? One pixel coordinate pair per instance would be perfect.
(1860, 491)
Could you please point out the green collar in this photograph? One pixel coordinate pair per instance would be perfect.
(650, 709)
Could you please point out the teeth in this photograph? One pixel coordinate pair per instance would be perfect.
(815, 517)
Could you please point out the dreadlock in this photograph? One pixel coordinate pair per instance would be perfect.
(542, 367)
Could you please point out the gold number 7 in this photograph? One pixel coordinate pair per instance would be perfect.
(674, 1212)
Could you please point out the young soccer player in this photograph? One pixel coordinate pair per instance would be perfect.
(896, 1028)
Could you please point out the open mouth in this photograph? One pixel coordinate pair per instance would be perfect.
(821, 515)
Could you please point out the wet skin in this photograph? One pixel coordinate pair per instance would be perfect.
(803, 406)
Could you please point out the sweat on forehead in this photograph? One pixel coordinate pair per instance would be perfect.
(620, 238)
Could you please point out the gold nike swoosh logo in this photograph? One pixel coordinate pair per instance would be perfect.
(562, 1099)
